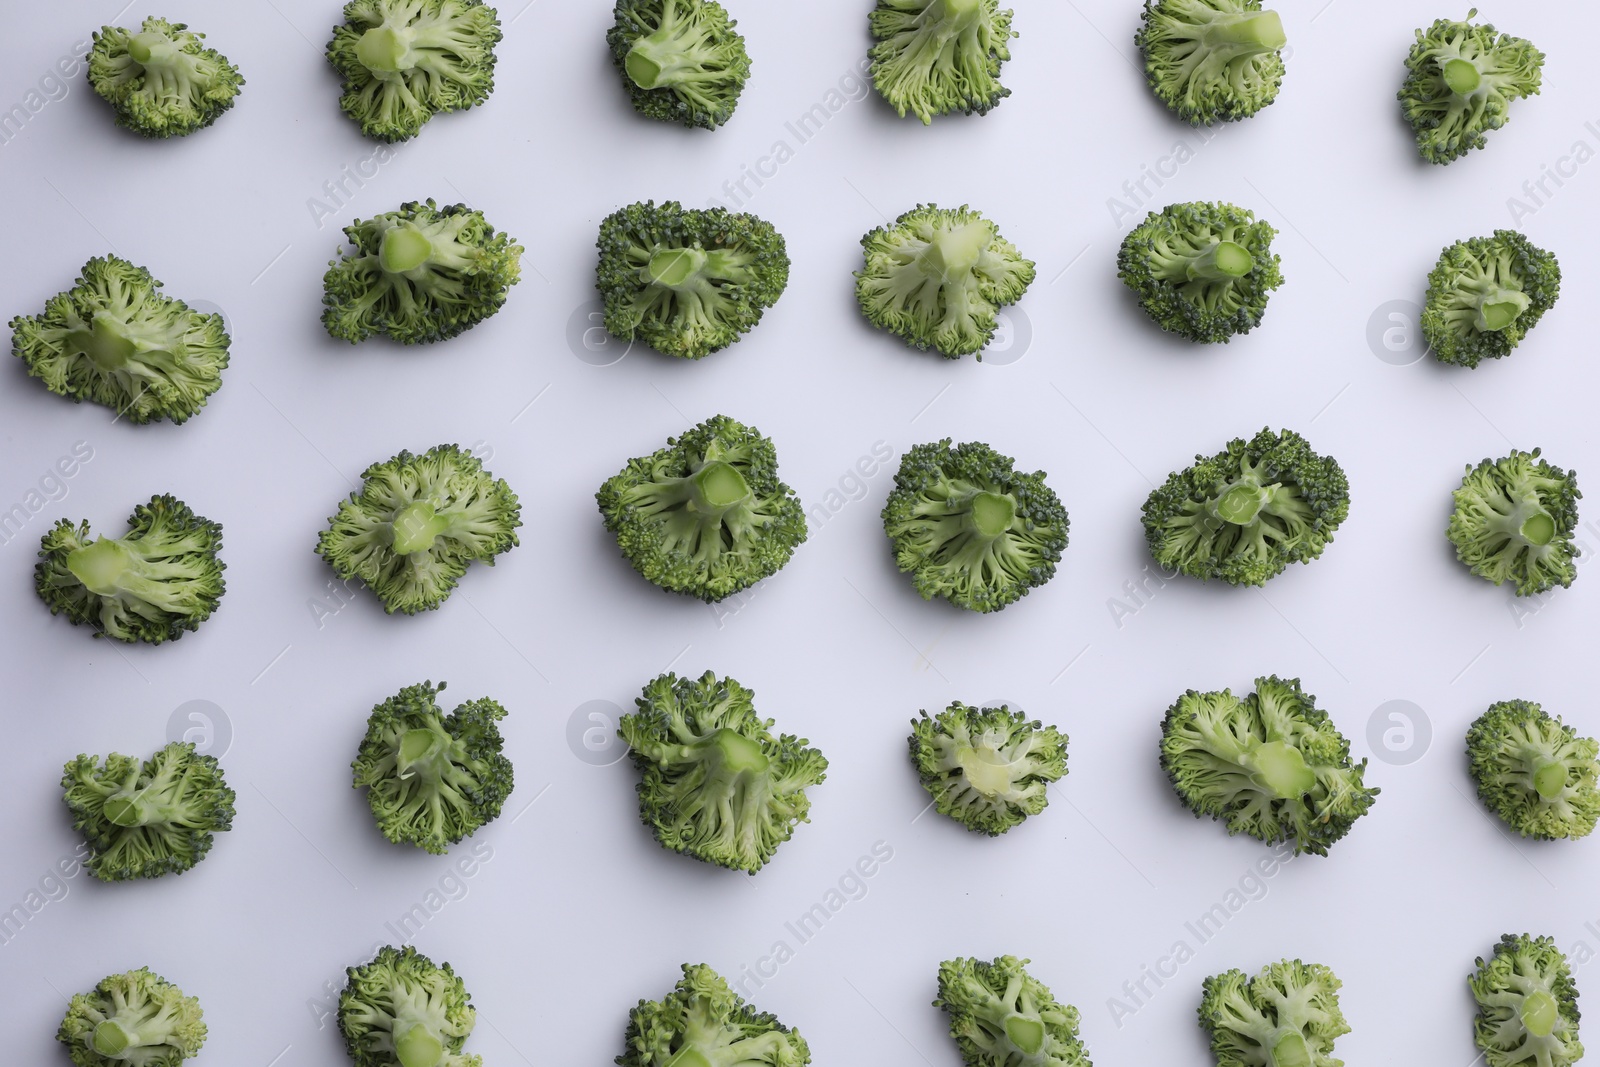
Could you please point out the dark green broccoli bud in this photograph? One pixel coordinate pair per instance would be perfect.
(1002, 1016)
(1212, 60)
(1535, 772)
(714, 781)
(1527, 1005)
(687, 282)
(703, 1023)
(1485, 294)
(1271, 765)
(417, 522)
(161, 81)
(680, 60)
(706, 515)
(1460, 81)
(137, 1017)
(1286, 1016)
(987, 768)
(115, 340)
(1514, 521)
(402, 1010)
(934, 57)
(405, 60)
(938, 278)
(1201, 270)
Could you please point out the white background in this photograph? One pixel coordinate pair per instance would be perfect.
(578, 913)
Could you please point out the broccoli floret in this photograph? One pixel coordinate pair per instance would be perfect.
(987, 768)
(1286, 1016)
(138, 1018)
(1212, 60)
(417, 522)
(404, 60)
(938, 278)
(680, 60)
(1002, 1016)
(161, 81)
(1514, 520)
(933, 57)
(402, 1010)
(1527, 1005)
(1271, 765)
(1201, 270)
(714, 781)
(706, 515)
(115, 340)
(1460, 81)
(1485, 294)
(1534, 771)
(154, 583)
(687, 282)
(419, 274)
(703, 1023)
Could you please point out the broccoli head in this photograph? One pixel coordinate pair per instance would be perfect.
(405, 60)
(1527, 1005)
(419, 274)
(1271, 765)
(714, 781)
(1485, 294)
(1514, 520)
(987, 768)
(1201, 270)
(161, 81)
(137, 1017)
(403, 1010)
(706, 515)
(1286, 1016)
(933, 57)
(1212, 60)
(1460, 81)
(113, 339)
(1534, 771)
(154, 583)
(703, 1023)
(1002, 1016)
(938, 278)
(687, 282)
(680, 60)
(417, 522)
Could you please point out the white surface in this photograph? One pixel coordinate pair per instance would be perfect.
(578, 913)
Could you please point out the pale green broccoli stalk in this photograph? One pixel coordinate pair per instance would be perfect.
(1201, 270)
(136, 1018)
(1286, 1016)
(1002, 1016)
(1271, 765)
(1460, 81)
(1485, 294)
(934, 57)
(1535, 772)
(402, 1010)
(703, 1023)
(416, 524)
(1527, 1005)
(1514, 521)
(680, 60)
(939, 277)
(707, 515)
(156, 582)
(114, 339)
(1212, 60)
(715, 783)
(987, 768)
(403, 61)
(161, 81)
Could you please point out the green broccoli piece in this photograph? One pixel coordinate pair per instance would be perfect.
(154, 583)
(933, 57)
(714, 781)
(1460, 81)
(1271, 765)
(1527, 1005)
(1485, 294)
(1514, 521)
(417, 522)
(402, 1010)
(405, 60)
(1535, 772)
(938, 278)
(1201, 270)
(1212, 60)
(161, 81)
(115, 340)
(137, 1017)
(687, 282)
(1286, 1016)
(420, 274)
(987, 768)
(1002, 1016)
(680, 60)
(703, 1023)
(706, 515)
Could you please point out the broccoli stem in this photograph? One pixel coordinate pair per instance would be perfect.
(105, 342)
(1462, 76)
(675, 54)
(1549, 776)
(1025, 1033)
(1290, 1051)
(111, 1040)
(1221, 261)
(689, 1056)
(732, 755)
(1245, 35)
(1280, 768)
(416, 526)
(151, 49)
(403, 248)
(418, 1047)
(100, 565)
(1499, 308)
(719, 488)
(953, 253)
(1241, 503)
(992, 514)
(1539, 1013)
(384, 50)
